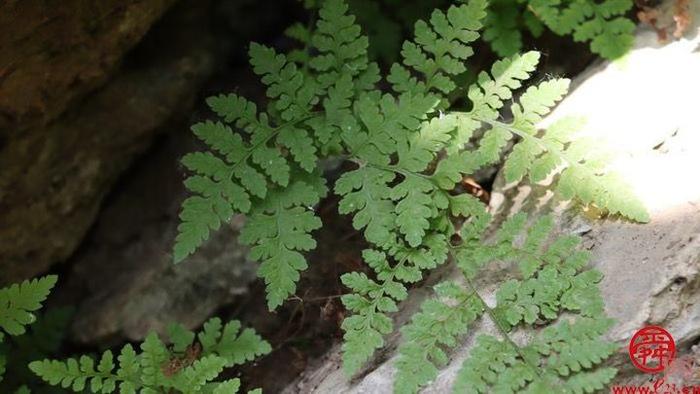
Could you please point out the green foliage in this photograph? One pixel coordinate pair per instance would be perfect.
(279, 230)
(42, 339)
(562, 358)
(435, 329)
(553, 285)
(440, 48)
(601, 23)
(186, 366)
(407, 152)
(19, 301)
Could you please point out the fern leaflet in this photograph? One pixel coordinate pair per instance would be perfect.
(179, 368)
(19, 301)
(552, 280)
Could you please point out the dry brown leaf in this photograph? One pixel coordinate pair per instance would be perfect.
(681, 16)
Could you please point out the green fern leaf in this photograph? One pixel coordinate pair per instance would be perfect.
(414, 209)
(440, 49)
(501, 28)
(366, 192)
(487, 96)
(193, 378)
(154, 355)
(81, 374)
(602, 23)
(228, 387)
(159, 369)
(488, 360)
(180, 337)
(293, 95)
(129, 369)
(370, 301)
(342, 48)
(19, 301)
(440, 323)
(365, 329)
(230, 343)
(590, 382)
(279, 230)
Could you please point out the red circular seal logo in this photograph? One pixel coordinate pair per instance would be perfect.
(651, 349)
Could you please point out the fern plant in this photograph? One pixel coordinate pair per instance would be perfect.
(601, 23)
(409, 151)
(553, 284)
(188, 365)
(20, 301)
(18, 305)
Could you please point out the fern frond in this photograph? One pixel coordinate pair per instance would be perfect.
(583, 172)
(229, 342)
(553, 279)
(439, 49)
(557, 150)
(19, 301)
(501, 28)
(154, 355)
(226, 182)
(409, 157)
(248, 173)
(159, 368)
(394, 204)
(369, 302)
(563, 356)
(487, 96)
(486, 367)
(229, 386)
(180, 337)
(279, 231)
(439, 324)
(342, 48)
(589, 382)
(81, 374)
(193, 378)
(602, 23)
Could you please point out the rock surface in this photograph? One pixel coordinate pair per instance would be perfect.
(55, 53)
(124, 277)
(643, 105)
(54, 176)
